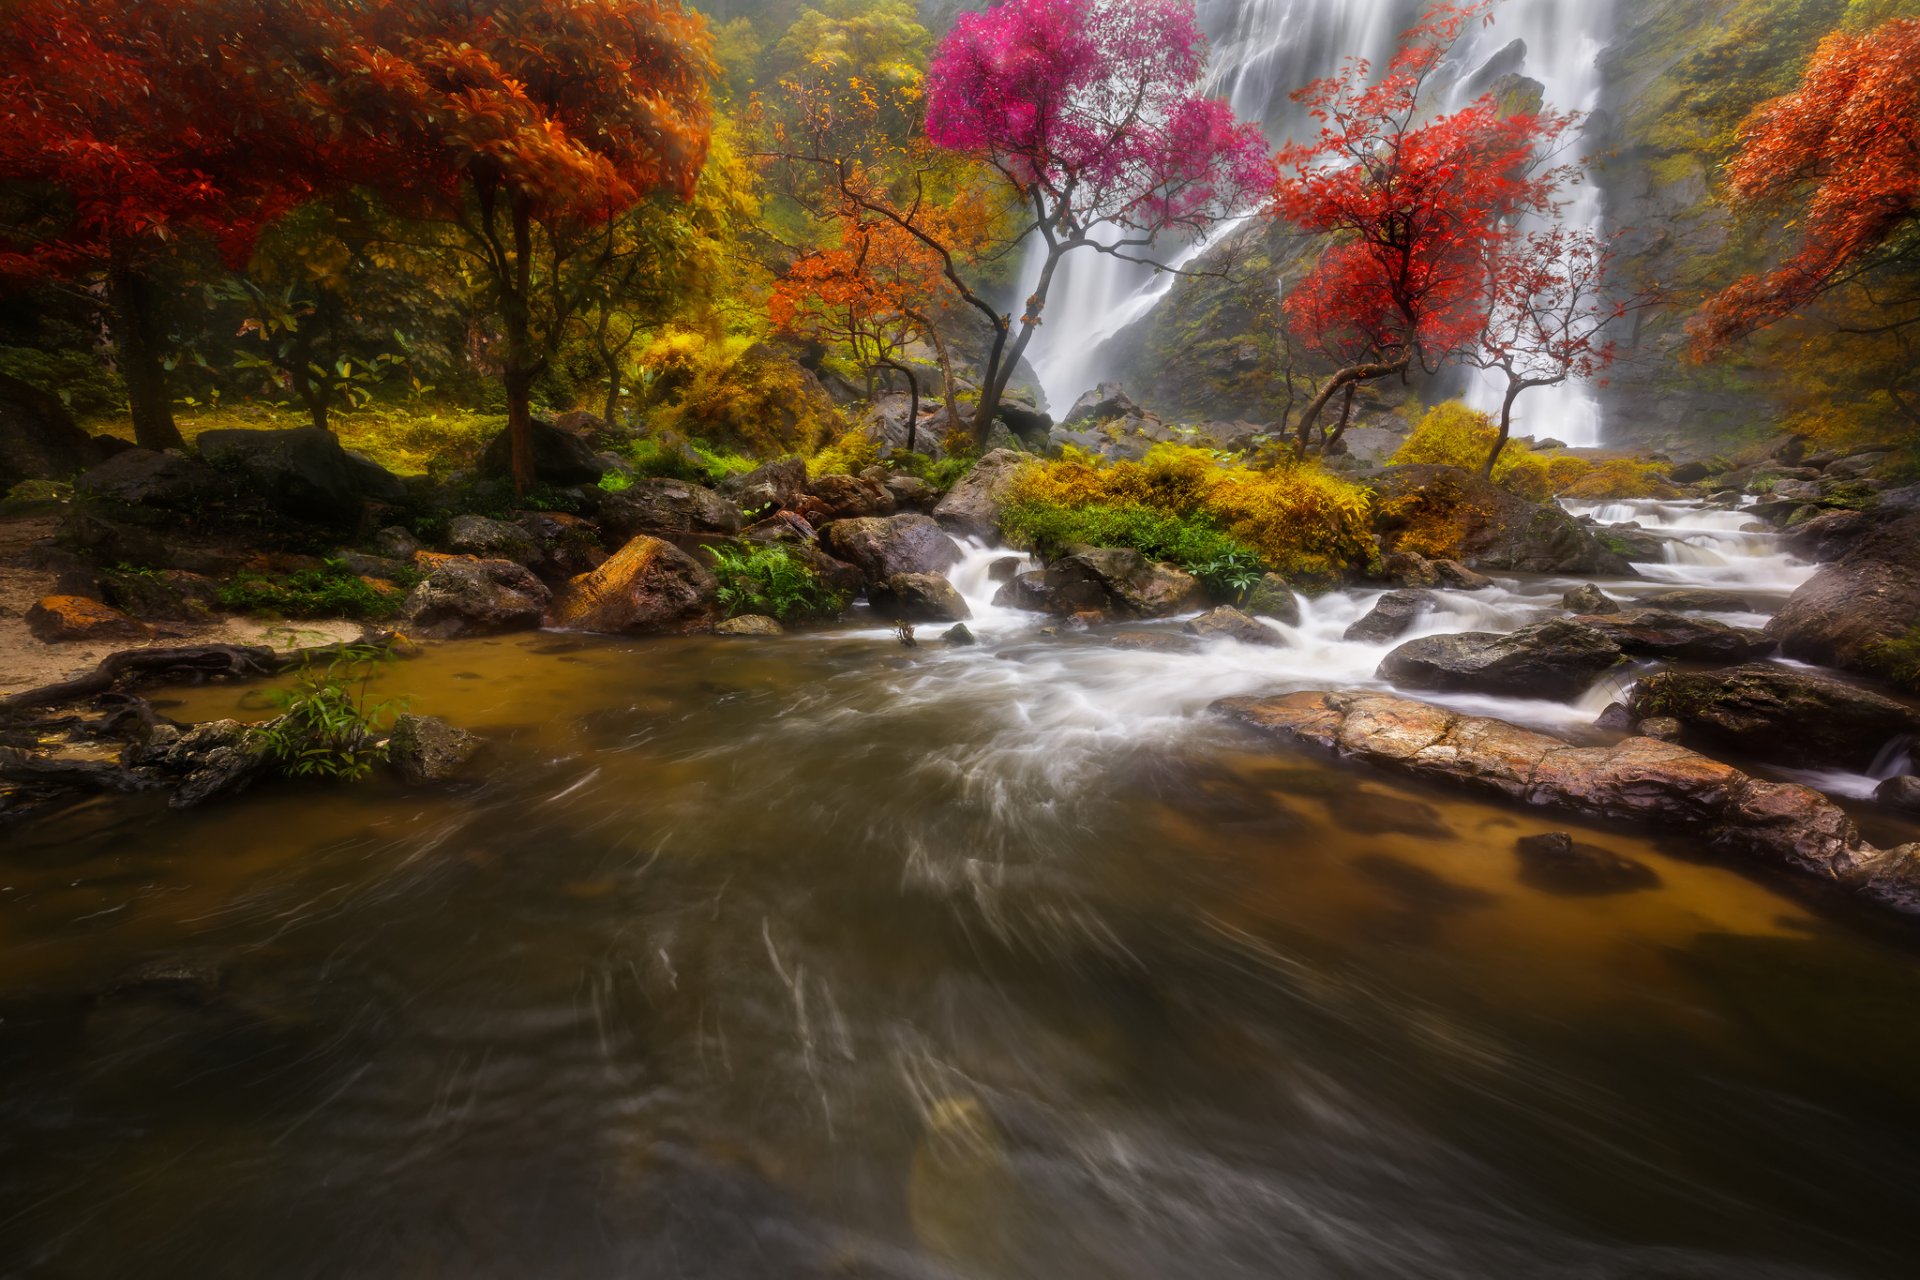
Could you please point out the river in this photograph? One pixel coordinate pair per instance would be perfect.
(825, 957)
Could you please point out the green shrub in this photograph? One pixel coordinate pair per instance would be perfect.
(1226, 565)
(333, 591)
(942, 475)
(850, 454)
(328, 726)
(768, 580)
(671, 456)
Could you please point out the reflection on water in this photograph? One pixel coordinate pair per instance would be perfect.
(823, 957)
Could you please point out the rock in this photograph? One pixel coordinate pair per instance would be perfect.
(1637, 545)
(488, 539)
(38, 437)
(881, 547)
(912, 493)
(1231, 624)
(1104, 403)
(1454, 575)
(958, 636)
(396, 543)
(1453, 512)
(1004, 568)
(1899, 793)
(1848, 612)
(560, 457)
(1857, 466)
(146, 478)
(918, 597)
(566, 545)
(1777, 714)
(426, 749)
(1410, 569)
(59, 619)
(1638, 780)
(1615, 719)
(302, 472)
(646, 586)
(750, 624)
(1697, 600)
(166, 595)
(1654, 633)
(1589, 600)
(668, 507)
(1138, 586)
(1057, 590)
(1556, 659)
(1689, 472)
(465, 596)
(772, 486)
(1829, 535)
(850, 498)
(972, 507)
(1392, 616)
(1664, 728)
(205, 762)
(1153, 642)
(1554, 863)
(1271, 597)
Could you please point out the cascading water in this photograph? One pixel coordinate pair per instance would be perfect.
(1263, 50)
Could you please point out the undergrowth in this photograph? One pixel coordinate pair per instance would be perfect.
(332, 591)
(770, 581)
(328, 725)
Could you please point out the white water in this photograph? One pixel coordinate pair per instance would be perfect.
(1262, 51)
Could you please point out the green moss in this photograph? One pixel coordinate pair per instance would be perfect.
(332, 591)
(1897, 660)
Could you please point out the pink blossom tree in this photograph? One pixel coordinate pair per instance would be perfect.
(1089, 109)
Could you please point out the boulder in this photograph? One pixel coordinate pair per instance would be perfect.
(1004, 568)
(1392, 616)
(958, 636)
(166, 595)
(488, 539)
(1271, 597)
(38, 437)
(566, 545)
(772, 486)
(1445, 511)
(1848, 613)
(1456, 576)
(918, 597)
(668, 508)
(1558, 864)
(202, 763)
(1689, 472)
(426, 749)
(1409, 569)
(912, 493)
(1777, 714)
(646, 586)
(881, 547)
(560, 457)
(147, 478)
(302, 472)
(972, 507)
(1153, 642)
(1589, 600)
(59, 619)
(465, 596)
(1665, 728)
(1829, 535)
(849, 498)
(1635, 544)
(1693, 600)
(1655, 633)
(1124, 582)
(1556, 660)
(1058, 589)
(1637, 780)
(1899, 793)
(1104, 403)
(1227, 623)
(750, 624)
(395, 543)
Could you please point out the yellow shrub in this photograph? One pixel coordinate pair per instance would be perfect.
(1451, 435)
(1454, 435)
(737, 393)
(853, 452)
(1622, 478)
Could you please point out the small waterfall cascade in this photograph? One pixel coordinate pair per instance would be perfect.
(1262, 51)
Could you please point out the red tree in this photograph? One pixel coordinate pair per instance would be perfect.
(1414, 208)
(1840, 156)
(136, 129)
(528, 126)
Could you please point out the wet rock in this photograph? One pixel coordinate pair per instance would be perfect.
(1635, 544)
(1373, 813)
(303, 472)
(1829, 535)
(1057, 589)
(487, 539)
(1135, 585)
(1777, 714)
(1556, 659)
(1637, 780)
(1697, 600)
(1104, 403)
(395, 543)
(1454, 575)
(912, 493)
(1231, 624)
(1664, 728)
(668, 507)
(203, 763)
(1555, 863)
(1899, 793)
(647, 586)
(1153, 642)
(750, 624)
(1417, 888)
(958, 636)
(560, 457)
(1392, 616)
(1589, 600)
(918, 597)
(147, 478)
(1655, 633)
(1484, 526)
(972, 507)
(1004, 568)
(772, 486)
(881, 547)
(1615, 719)
(1271, 597)
(426, 749)
(1689, 472)
(466, 596)
(850, 498)
(1849, 612)
(60, 619)
(1410, 569)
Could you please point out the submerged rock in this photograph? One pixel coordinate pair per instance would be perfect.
(1556, 863)
(958, 636)
(466, 596)
(1778, 714)
(1557, 659)
(1696, 600)
(750, 624)
(918, 597)
(1392, 616)
(647, 586)
(1231, 624)
(424, 749)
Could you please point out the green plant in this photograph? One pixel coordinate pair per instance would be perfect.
(1192, 542)
(616, 482)
(942, 475)
(331, 591)
(768, 579)
(668, 455)
(1232, 574)
(328, 727)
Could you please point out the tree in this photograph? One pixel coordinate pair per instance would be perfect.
(1089, 111)
(1414, 205)
(1839, 159)
(139, 131)
(528, 126)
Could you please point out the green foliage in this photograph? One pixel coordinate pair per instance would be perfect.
(328, 726)
(1192, 542)
(1898, 660)
(768, 579)
(670, 456)
(942, 475)
(72, 371)
(332, 591)
(853, 452)
(737, 393)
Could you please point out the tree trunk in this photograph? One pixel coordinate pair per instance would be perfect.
(519, 372)
(1514, 388)
(1002, 366)
(137, 338)
(945, 359)
(1346, 416)
(1344, 378)
(913, 403)
(614, 386)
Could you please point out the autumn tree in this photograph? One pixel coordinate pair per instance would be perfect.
(140, 132)
(1413, 206)
(528, 127)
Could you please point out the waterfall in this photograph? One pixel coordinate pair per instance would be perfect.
(1262, 51)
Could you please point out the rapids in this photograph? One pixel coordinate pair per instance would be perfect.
(821, 956)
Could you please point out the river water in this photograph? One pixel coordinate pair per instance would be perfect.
(824, 957)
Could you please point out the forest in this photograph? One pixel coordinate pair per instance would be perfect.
(1123, 638)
